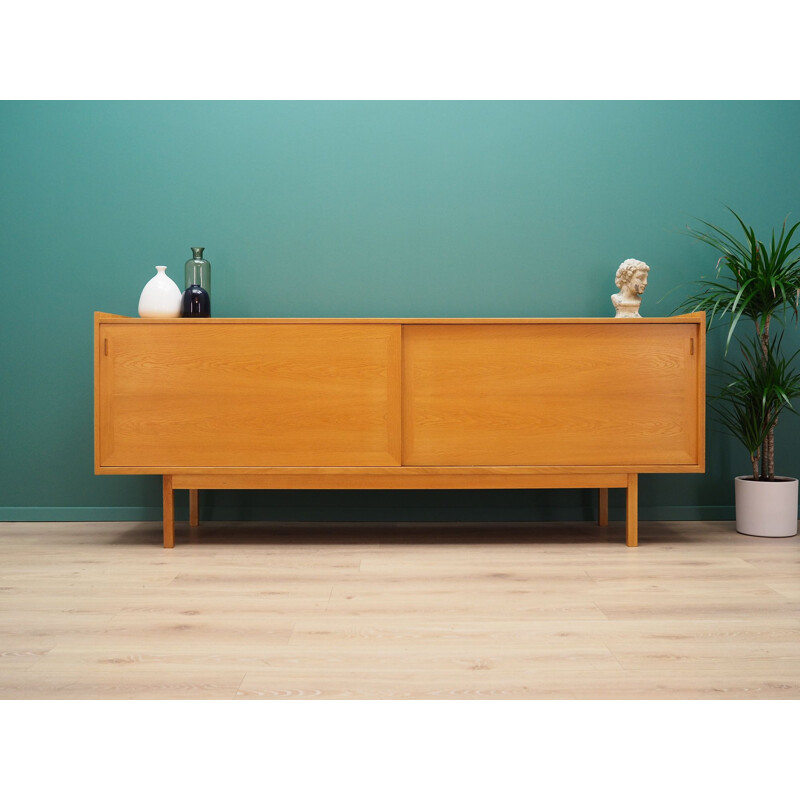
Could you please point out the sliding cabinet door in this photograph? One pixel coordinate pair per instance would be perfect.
(248, 394)
(558, 393)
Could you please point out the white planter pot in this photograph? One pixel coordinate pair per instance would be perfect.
(766, 508)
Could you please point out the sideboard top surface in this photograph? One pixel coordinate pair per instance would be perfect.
(697, 316)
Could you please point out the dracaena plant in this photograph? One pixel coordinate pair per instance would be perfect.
(753, 394)
(760, 283)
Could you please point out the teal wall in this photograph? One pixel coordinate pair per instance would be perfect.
(357, 209)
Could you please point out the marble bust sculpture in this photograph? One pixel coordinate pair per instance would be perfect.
(631, 278)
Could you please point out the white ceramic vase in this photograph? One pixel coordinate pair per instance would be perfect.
(160, 297)
(766, 508)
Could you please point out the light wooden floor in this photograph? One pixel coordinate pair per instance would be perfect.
(254, 610)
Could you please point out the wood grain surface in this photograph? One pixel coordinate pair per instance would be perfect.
(551, 395)
(248, 395)
(397, 611)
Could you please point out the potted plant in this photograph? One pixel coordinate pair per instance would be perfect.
(760, 283)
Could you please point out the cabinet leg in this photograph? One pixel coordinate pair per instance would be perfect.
(194, 507)
(632, 511)
(602, 507)
(169, 513)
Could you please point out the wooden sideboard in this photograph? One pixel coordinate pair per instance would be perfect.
(399, 404)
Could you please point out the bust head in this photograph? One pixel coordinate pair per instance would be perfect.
(631, 277)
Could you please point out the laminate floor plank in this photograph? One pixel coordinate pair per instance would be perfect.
(312, 663)
(789, 589)
(404, 685)
(160, 681)
(432, 602)
(50, 625)
(664, 684)
(732, 605)
(561, 684)
(408, 631)
(397, 611)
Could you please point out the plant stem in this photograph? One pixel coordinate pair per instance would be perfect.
(771, 459)
(768, 449)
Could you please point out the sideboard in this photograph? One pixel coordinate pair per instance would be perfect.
(399, 404)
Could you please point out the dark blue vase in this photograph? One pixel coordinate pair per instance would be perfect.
(195, 302)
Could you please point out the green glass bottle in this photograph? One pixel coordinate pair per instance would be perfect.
(198, 270)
